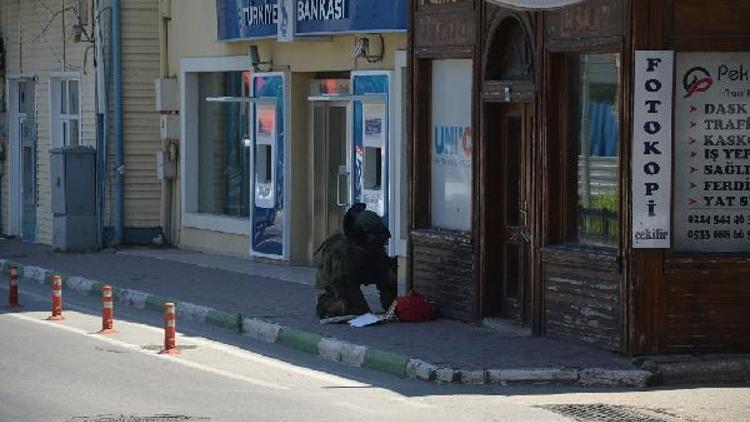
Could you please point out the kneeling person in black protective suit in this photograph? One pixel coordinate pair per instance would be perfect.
(356, 257)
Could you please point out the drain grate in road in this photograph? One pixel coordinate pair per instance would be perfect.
(138, 418)
(598, 412)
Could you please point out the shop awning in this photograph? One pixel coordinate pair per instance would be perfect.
(534, 4)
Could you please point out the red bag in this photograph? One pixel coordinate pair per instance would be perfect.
(415, 308)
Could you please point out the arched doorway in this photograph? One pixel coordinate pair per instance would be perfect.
(507, 102)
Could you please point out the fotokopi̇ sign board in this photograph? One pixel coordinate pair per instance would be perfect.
(652, 149)
(712, 144)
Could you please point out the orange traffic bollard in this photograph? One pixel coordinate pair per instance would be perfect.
(56, 299)
(170, 346)
(108, 311)
(13, 293)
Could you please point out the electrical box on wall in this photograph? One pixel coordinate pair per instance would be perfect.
(165, 168)
(169, 126)
(73, 174)
(167, 94)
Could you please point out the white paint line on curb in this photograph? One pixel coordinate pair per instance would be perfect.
(532, 375)
(353, 354)
(260, 330)
(419, 369)
(614, 377)
(473, 377)
(342, 351)
(132, 298)
(445, 375)
(79, 284)
(35, 273)
(192, 312)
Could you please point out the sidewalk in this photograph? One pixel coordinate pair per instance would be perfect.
(276, 304)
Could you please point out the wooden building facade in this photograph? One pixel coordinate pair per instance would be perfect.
(523, 167)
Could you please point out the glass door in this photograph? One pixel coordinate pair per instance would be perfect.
(332, 181)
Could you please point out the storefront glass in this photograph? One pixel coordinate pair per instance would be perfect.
(224, 160)
(451, 144)
(593, 123)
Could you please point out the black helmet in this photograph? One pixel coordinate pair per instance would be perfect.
(350, 217)
(368, 222)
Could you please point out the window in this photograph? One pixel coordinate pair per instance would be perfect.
(67, 113)
(223, 158)
(373, 168)
(264, 163)
(593, 137)
(451, 147)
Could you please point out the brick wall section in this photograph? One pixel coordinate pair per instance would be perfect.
(582, 297)
(444, 272)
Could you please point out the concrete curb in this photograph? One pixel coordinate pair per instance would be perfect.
(681, 369)
(341, 351)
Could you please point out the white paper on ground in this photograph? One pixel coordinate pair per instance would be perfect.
(364, 320)
(338, 319)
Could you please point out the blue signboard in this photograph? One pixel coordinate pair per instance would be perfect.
(248, 19)
(269, 213)
(369, 83)
(337, 16)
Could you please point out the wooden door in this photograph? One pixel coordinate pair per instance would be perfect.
(506, 270)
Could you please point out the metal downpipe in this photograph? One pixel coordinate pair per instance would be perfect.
(119, 169)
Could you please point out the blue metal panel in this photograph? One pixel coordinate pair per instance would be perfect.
(268, 223)
(364, 85)
(251, 19)
(246, 19)
(336, 16)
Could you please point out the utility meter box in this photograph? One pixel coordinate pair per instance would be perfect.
(169, 126)
(165, 168)
(167, 94)
(74, 223)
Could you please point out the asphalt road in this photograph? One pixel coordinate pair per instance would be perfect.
(51, 371)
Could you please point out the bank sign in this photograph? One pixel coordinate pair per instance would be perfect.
(253, 19)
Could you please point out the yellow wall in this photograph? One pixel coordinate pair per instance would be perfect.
(214, 242)
(304, 57)
(41, 54)
(141, 138)
(331, 54)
